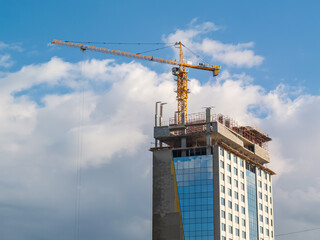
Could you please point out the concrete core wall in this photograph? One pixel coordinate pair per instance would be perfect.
(167, 221)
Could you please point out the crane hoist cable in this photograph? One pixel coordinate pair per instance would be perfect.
(180, 70)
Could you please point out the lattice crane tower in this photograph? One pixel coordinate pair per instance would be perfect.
(180, 71)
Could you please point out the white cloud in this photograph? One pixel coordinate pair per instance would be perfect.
(237, 55)
(5, 58)
(51, 72)
(39, 146)
(5, 61)
(109, 118)
(194, 30)
(10, 46)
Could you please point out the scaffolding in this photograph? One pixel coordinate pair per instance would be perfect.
(195, 123)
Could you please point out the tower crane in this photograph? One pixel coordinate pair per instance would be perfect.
(179, 70)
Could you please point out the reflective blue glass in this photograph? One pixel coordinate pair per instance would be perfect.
(195, 189)
(252, 204)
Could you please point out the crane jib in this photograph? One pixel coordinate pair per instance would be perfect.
(132, 55)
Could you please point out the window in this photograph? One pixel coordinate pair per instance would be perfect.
(223, 214)
(229, 192)
(236, 195)
(221, 164)
(230, 229)
(237, 232)
(266, 209)
(270, 199)
(266, 198)
(271, 223)
(267, 220)
(235, 181)
(223, 202)
(270, 189)
(261, 218)
(259, 173)
(260, 206)
(271, 211)
(242, 174)
(229, 168)
(223, 227)
(241, 163)
(269, 178)
(243, 222)
(221, 151)
(243, 234)
(223, 238)
(229, 179)
(229, 155)
(242, 186)
(267, 232)
(260, 184)
(265, 187)
(235, 159)
(236, 218)
(265, 176)
(222, 176)
(243, 210)
(261, 230)
(235, 171)
(260, 195)
(242, 198)
(195, 189)
(236, 207)
(230, 216)
(230, 204)
(222, 189)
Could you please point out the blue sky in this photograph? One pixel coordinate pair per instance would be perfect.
(285, 32)
(52, 97)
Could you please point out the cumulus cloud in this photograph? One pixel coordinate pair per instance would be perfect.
(235, 55)
(5, 58)
(239, 55)
(103, 128)
(115, 111)
(106, 121)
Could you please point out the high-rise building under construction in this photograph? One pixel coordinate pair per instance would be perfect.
(209, 180)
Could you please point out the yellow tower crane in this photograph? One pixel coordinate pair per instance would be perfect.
(179, 71)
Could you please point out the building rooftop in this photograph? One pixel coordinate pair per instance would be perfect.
(251, 133)
(246, 140)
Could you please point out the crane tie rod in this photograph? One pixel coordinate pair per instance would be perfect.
(123, 43)
(198, 56)
(152, 50)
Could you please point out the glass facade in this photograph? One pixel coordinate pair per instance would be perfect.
(195, 189)
(252, 203)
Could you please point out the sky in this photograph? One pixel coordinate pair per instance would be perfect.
(63, 112)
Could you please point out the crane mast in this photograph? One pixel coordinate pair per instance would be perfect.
(182, 89)
(180, 72)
